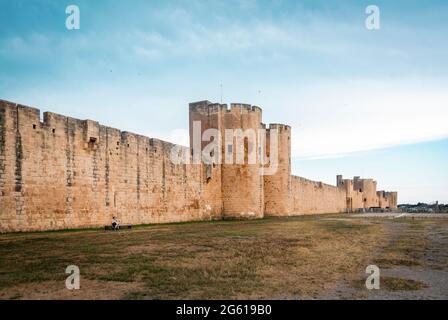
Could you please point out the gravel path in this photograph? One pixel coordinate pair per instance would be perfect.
(400, 215)
(430, 270)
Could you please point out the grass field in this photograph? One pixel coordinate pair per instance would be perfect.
(322, 257)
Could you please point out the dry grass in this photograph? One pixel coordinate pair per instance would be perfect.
(411, 242)
(400, 284)
(299, 257)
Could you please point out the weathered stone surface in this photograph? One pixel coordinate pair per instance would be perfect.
(69, 173)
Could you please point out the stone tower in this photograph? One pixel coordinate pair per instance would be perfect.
(277, 186)
(242, 183)
(237, 171)
(204, 116)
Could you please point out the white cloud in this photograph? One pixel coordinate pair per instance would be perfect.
(330, 117)
(331, 120)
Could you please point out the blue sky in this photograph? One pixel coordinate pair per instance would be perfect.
(361, 102)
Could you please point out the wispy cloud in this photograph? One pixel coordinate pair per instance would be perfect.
(336, 119)
(342, 88)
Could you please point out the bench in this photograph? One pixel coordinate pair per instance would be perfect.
(122, 226)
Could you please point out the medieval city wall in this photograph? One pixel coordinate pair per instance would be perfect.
(68, 173)
(311, 197)
(60, 173)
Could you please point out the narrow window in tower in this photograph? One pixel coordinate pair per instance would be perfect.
(246, 150)
(208, 173)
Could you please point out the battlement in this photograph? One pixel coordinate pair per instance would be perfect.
(199, 105)
(280, 127)
(59, 172)
(243, 108)
(208, 107)
(356, 180)
(362, 194)
(240, 108)
(31, 112)
(57, 125)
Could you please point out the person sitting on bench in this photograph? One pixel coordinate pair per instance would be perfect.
(115, 224)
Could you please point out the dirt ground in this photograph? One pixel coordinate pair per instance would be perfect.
(308, 257)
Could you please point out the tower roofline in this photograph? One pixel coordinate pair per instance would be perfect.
(206, 105)
(279, 126)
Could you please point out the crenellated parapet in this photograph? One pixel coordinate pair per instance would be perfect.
(207, 107)
(280, 127)
(59, 172)
(362, 194)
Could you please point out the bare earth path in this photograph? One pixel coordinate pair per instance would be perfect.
(309, 257)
